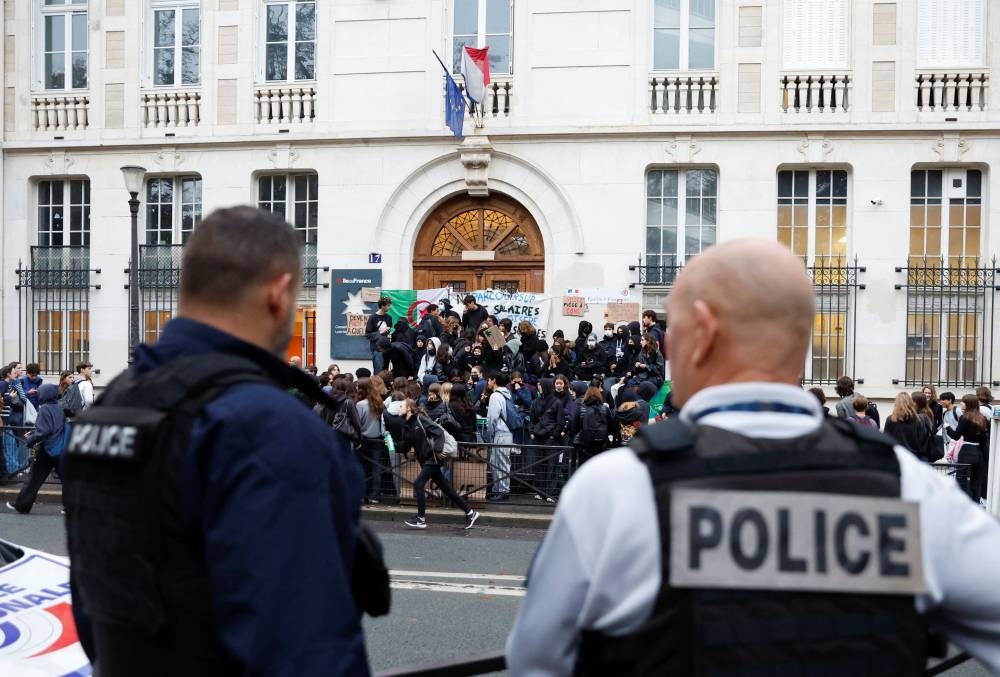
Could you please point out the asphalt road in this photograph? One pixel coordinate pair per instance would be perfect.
(455, 592)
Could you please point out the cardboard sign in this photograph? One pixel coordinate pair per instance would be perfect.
(495, 338)
(371, 294)
(622, 312)
(574, 306)
(356, 324)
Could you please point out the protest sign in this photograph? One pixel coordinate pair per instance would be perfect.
(517, 306)
(574, 306)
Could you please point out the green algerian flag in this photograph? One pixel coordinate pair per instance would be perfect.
(410, 303)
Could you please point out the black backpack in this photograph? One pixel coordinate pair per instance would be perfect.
(593, 426)
(340, 419)
(72, 400)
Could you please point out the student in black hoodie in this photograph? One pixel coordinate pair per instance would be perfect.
(583, 332)
(585, 427)
(399, 357)
(458, 404)
(548, 414)
(631, 414)
(592, 360)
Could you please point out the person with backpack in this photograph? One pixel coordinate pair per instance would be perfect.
(861, 416)
(502, 421)
(374, 457)
(48, 438)
(592, 426)
(428, 441)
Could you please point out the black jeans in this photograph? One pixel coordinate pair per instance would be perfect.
(973, 456)
(432, 471)
(374, 457)
(40, 469)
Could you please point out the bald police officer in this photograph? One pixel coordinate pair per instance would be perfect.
(752, 534)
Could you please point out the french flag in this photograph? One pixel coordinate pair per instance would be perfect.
(476, 72)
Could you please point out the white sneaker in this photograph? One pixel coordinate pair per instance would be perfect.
(10, 506)
(471, 518)
(417, 522)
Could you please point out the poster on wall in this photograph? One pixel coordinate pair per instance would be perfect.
(518, 306)
(351, 311)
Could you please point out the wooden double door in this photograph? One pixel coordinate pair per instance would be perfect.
(495, 228)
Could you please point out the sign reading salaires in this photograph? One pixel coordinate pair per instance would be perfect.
(794, 541)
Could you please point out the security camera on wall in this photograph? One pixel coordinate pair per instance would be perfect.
(876, 202)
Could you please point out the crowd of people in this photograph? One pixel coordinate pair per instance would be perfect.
(34, 416)
(935, 427)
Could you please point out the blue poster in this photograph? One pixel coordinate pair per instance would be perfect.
(351, 311)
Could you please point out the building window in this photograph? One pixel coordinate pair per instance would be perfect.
(176, 40)
(954, 233)
(949, 297)
(295, 197)
(812, 214)
(173, 209)
(289, 40)
(951, 33)
(56, 200)
(484, 23)
(64, 44)
(678, 230)
(683, 34)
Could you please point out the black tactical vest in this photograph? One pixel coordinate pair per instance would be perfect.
(746, 621)
(137, 561)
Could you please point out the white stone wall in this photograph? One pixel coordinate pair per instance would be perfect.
(574, 149)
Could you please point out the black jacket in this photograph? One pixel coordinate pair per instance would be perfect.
(471, 319)
(912, 434)
(549, 415)
(371, 328)
(583, 332)
(590, 362)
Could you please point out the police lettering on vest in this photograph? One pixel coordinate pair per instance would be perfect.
(768, 540)
(114, 433)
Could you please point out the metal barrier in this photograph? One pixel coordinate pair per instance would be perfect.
(960, 471)
(16, 456)
(524, 472)
(480, 665)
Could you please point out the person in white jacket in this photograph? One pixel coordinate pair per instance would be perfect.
(428, 359)
(740, 325)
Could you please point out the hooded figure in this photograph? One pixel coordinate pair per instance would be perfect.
(635, 328)
(402, 332)
(48, 434)
(631, 414)
(617, 361)
(591, 360)
(548, 413)
(398, 357)
(647, 391)
(583, 332)
(428, 358)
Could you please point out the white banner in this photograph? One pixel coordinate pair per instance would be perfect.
(518, 306)
(599, 295)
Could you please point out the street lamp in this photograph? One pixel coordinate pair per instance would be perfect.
(133, 184)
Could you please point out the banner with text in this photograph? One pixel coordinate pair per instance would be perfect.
(518, 306)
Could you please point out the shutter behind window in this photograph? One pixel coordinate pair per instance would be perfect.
(815, 35)
(950, 33)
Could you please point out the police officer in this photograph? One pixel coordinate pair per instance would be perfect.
(211, 517)
(749, 534)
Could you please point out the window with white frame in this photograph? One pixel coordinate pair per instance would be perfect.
(484, 23)
(175, 27)
(295, 197)
(63, 47)
(64, 213)
(683, 34)
(681, 212)
(812, 214)
(173, 209)
(289, 40)
(951, 33)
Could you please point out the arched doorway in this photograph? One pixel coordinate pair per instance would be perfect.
(470, 243)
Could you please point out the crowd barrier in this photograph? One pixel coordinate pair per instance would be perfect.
(525, 472)
(16, 455)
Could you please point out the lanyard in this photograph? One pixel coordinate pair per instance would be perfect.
(777, 407)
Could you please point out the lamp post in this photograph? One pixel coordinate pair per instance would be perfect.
(133, 184)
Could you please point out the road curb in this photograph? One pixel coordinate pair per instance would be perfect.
(508, 516)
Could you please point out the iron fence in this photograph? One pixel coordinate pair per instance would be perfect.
(54, 307)
(832, 351)
(657, 275)
(950, 323)
(960, 471)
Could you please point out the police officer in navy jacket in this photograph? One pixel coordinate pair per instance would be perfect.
(244, 564)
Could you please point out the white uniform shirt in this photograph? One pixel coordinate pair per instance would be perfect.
(599, 565)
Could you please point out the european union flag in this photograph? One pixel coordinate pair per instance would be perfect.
(454, 106)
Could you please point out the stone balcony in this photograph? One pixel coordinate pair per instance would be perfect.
(171, 109)
(285, 104)
(60, 112)
(948, 91)
(684, 93)
(815, 92)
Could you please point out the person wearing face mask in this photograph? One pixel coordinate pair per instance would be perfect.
(428, 360)
(549, 415)
(608, 340)
(592, 360)
(583, 332)
(230, 480)
(618, 359)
